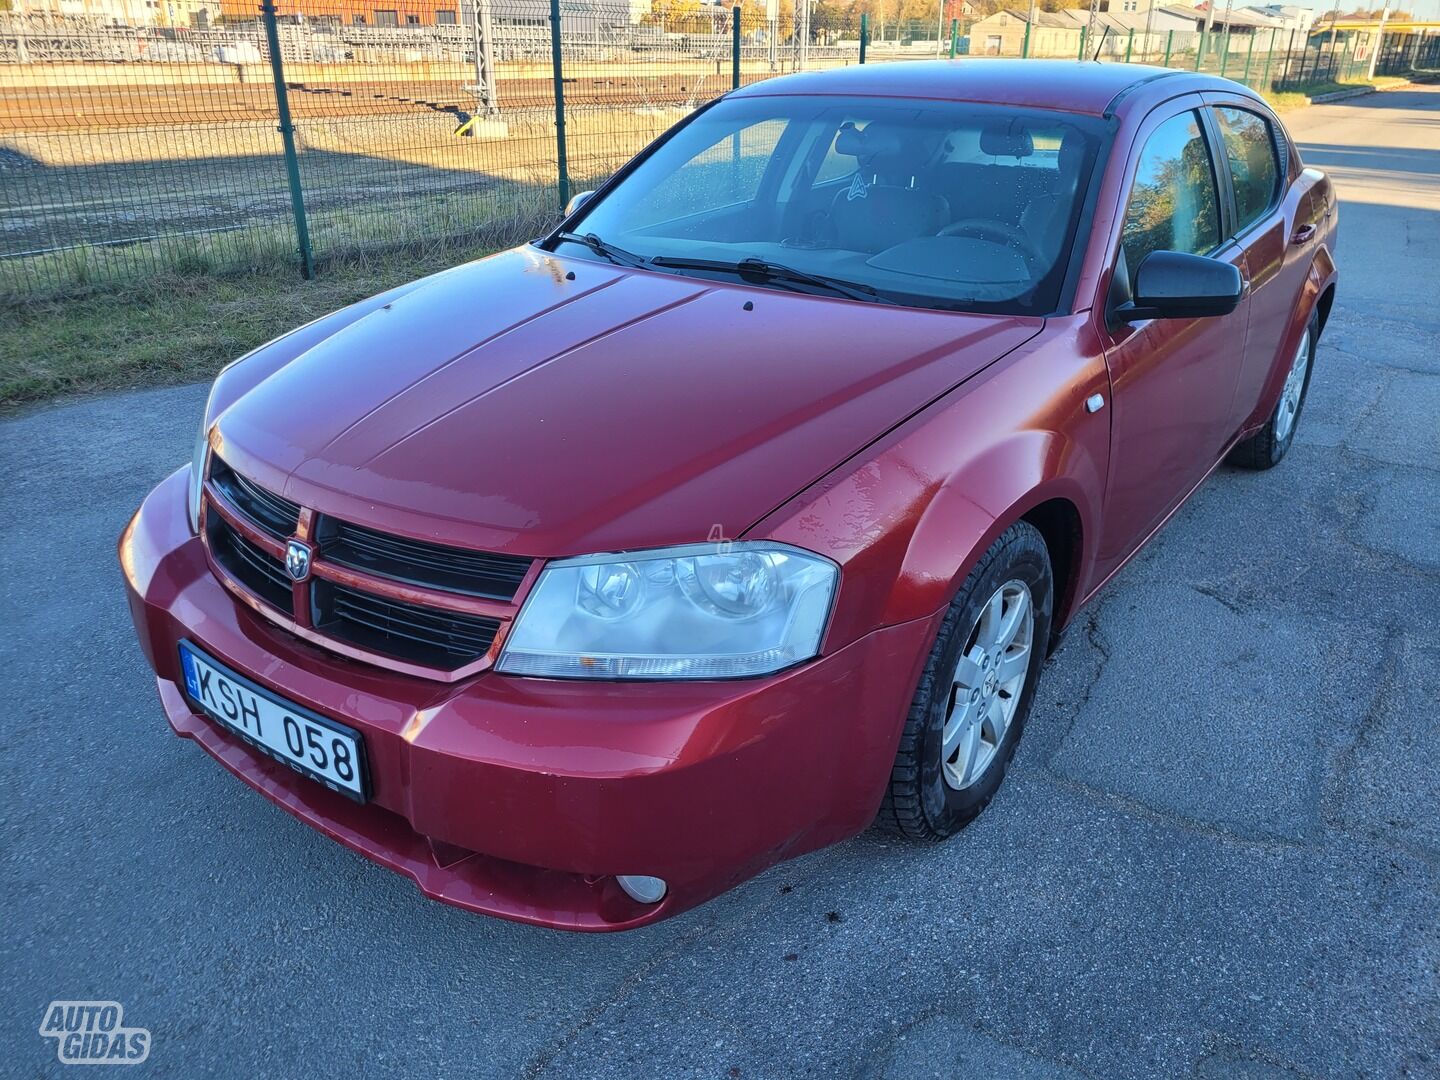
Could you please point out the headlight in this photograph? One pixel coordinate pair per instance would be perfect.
(694, 612)
(197, 464)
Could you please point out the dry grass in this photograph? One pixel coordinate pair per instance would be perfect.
(179, 328)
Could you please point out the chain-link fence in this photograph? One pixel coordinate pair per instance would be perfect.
(296, 134)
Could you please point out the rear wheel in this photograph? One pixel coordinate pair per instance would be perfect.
(1269, 445)
(975, 692)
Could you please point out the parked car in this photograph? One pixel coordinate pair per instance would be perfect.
(582, 582)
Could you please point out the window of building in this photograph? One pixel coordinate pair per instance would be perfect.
(412, 20)
(387, 18)
(1173, 202)
(445, 18)
(1254, 166)
(357, 20)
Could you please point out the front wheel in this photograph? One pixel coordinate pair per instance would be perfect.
(975, 691)
(1269, 445)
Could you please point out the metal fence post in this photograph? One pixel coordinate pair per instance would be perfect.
(562, 166)
(287, 136)
(1025, 45)
(1224, 52)
(735, 48)
(1169, 44)
(1269, 52)
(1081, 54)
(1129, 45)
(955, 37)
(864, 34)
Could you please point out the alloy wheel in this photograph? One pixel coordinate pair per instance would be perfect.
(988, 680)
(1294, 388)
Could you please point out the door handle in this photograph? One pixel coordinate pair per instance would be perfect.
(1303, 235)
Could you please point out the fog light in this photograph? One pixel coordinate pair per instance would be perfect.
(643, 890)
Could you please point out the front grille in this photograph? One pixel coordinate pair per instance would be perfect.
(429, 636)
(415, 562)
(248, 564)
(378, 615)
(265, 510)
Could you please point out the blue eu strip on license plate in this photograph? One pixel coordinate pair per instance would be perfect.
(322, 749)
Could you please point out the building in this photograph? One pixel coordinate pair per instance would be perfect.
(592, 14)
(1238, 22)
(1003, 34)
(178, 14)
(1402, 37)
(1290, 16)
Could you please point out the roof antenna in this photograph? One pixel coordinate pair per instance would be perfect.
(1103, 36)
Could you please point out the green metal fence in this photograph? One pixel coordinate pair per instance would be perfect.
(299, 132)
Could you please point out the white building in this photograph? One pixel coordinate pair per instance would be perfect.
(1290, 16)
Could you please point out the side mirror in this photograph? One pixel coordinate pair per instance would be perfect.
(1175, 285)
(577, 201)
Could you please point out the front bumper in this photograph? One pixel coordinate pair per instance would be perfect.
(524, 797)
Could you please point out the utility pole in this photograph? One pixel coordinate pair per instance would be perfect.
(801, 32)
(940, 30)
(1379, 37)
(1205, 34)
(486, 100)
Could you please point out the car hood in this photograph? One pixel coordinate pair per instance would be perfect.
(540, 405)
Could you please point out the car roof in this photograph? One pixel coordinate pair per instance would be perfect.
(1069, 85)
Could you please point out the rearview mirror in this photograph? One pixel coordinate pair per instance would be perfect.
(577, 201)
(1175, 285)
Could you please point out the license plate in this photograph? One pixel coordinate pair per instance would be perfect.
(319, 748)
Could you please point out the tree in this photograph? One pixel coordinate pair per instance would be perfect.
(674, 15)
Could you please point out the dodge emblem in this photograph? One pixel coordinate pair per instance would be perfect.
(297, 560)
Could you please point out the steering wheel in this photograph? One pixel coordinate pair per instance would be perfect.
(998, 232)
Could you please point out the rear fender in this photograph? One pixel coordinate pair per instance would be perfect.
(1321, 276)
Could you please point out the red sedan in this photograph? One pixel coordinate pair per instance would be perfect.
(583, 582)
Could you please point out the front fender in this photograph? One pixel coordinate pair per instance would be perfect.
(907, 519)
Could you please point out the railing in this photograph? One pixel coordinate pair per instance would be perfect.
(301, 136)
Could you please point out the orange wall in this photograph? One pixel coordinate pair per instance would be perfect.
(344, 10)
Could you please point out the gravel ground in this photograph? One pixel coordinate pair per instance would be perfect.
(1218, 853)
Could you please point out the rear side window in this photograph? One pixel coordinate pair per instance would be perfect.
(1254, 167)
(1173, 202)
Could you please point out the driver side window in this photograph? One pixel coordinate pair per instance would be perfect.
(1174, 204)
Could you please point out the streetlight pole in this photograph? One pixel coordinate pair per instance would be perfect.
(1379, 37)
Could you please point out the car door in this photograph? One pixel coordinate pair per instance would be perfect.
(1173, 381)
(1266, 223)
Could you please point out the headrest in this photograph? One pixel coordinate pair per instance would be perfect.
(1006, 140)
(1072, 152)
(865, 143)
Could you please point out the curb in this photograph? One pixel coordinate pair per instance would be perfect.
(1361, 91)
(1343, 95)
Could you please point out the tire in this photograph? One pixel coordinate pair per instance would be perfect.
(1268, 446)
(923, 801)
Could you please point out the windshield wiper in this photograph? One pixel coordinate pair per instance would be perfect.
(771, 271)
(619, 256)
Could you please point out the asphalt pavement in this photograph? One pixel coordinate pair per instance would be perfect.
(1218, 853)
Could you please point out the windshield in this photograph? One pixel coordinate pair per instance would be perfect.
(934, 204)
